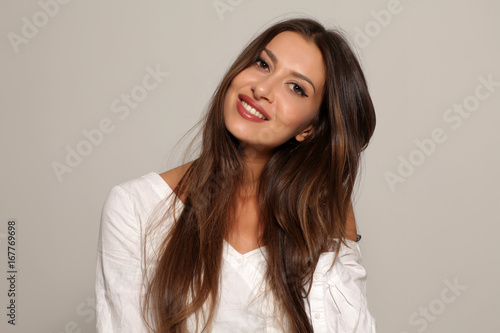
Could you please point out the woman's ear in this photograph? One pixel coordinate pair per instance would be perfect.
(304, 134)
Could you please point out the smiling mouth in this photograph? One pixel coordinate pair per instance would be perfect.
(252, 110)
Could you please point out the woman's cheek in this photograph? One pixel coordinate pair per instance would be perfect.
(277, 135)
(267, 136)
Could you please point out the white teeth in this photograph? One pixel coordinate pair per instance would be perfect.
(252, 110)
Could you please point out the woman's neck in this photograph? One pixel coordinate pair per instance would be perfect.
(245, 232)
(254, 165)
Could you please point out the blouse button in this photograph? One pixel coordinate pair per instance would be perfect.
(239, 261)
(317, 315)
(317, 276)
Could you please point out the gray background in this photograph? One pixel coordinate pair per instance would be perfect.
(435, 227)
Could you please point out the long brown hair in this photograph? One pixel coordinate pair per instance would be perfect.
(304, 194)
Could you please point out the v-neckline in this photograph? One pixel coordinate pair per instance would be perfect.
(231, 248)
(238, 254)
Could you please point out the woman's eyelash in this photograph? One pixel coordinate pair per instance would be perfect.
(297, 89)
(262, 63)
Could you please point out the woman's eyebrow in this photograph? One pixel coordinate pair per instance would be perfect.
(296, 74)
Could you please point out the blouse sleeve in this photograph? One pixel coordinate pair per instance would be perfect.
(119, 269)
(338, 294)
(350, 256)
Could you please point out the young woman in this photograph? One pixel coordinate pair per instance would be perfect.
(257, 234)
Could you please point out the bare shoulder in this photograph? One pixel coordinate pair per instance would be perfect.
(173, 176)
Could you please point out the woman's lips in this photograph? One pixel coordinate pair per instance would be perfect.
(247, 115)
(250, 102)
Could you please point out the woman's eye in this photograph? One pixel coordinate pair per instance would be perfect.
(262, 64)
(296, 89)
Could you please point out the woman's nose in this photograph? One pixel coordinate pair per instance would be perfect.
(264, 88)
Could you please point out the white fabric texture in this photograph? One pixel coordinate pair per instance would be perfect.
(336, 303)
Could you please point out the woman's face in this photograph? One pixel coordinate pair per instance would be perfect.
(276, 98)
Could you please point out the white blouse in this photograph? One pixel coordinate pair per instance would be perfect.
(336, 302)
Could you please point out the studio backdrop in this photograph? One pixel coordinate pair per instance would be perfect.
(94, 93)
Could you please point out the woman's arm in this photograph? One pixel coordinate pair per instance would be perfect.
(119, 269)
